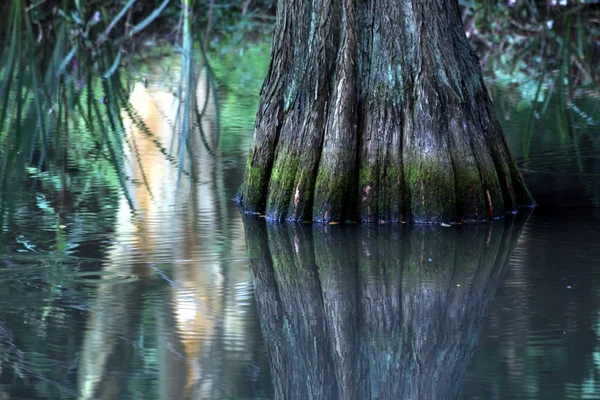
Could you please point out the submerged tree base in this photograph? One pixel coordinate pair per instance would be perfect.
(377, 114)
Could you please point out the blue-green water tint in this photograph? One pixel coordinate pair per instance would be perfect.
(191, 302)
(542, 335)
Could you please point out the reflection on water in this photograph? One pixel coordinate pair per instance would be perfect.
(183, 299)
(174, 236)
(542, 337)
(374, 312)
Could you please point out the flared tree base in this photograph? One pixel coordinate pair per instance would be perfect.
(377, 114)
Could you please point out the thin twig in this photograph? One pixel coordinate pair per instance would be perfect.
(209, 23)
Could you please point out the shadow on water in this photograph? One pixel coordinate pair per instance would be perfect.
(374, 312)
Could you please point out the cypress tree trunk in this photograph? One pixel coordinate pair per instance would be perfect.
(377, 111)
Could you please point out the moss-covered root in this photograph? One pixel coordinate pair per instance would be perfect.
(335, 180)
(478, 192)
(297, 158)
(432, 192)
(514, 192)
(381, 189)
(291, 188)
(334, 197)
(252, 194)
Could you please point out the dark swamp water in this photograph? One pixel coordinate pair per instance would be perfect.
(187, 300)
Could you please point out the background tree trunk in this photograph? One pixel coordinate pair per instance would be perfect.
(377, 112)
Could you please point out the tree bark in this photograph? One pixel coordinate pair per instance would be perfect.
(377, 111)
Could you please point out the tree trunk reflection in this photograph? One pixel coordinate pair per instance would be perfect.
(374, 312)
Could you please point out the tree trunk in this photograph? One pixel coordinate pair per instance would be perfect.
(377, 111)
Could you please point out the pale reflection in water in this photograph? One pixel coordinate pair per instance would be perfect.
(172, 235)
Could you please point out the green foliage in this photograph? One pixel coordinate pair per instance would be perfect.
(66, 68)
(546, 53)
(60, 92)
(239, 72)
(65, 73)
(520, 40)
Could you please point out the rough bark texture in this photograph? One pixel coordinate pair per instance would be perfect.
(347, 313)
(377, 111)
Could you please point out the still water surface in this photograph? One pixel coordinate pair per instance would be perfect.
(188, 300)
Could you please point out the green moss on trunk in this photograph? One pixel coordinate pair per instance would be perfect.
(253, 190)
(432, 191)
(334, 197)
(377, 112)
